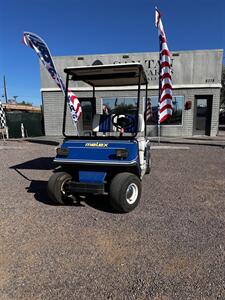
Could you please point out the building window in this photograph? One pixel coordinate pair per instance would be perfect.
(176, 119)
(120, 105)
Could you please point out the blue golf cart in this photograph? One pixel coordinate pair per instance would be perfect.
(113, 154)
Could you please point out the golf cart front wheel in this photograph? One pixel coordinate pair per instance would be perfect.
(125, 192)
(58, 187)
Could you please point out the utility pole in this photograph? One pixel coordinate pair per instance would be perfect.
(5, 91)
(15, 97)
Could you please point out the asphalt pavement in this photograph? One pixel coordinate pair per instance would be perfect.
(172, 246)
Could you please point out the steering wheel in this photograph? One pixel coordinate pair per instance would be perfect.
(123, 121)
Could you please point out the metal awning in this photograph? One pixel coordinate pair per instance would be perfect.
(109, 75)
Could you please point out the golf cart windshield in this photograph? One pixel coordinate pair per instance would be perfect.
(108, 113)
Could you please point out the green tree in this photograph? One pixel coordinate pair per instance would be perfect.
(25, 103)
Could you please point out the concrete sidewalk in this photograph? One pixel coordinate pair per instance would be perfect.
(218, 140)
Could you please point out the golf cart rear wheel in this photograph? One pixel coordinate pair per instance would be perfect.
(58, 187)
(125, 192)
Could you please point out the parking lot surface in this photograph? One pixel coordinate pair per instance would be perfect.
(172, 246)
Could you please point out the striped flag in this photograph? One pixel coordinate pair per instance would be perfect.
(39, 46)
(165, 82)
(148, 110)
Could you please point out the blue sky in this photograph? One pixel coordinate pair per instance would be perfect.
(75, 27)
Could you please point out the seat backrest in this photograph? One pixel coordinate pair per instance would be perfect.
(137, 126)
(102, 123)
(132, 128)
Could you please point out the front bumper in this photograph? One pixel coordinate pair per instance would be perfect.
(61, 161)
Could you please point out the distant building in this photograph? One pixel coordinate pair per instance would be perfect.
(13, 106)
(196, 89)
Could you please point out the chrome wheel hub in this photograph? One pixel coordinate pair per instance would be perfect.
(131, 193)
(65, 188)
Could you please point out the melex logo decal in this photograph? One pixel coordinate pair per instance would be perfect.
(100, 145)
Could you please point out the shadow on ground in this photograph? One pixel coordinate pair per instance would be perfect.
(41, 163)
(39, 187)
(43, 142)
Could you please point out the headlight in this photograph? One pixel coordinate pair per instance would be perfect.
(121, 153)
(62, 151)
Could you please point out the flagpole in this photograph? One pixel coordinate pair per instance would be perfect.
(159, 128)
(159, 103)
(5, 90)
(156, 9)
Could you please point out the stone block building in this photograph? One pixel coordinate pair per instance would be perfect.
(196, 79)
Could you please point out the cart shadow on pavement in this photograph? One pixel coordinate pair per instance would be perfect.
(39, 187)
(100, 202)
(43, 141)
(41, 163)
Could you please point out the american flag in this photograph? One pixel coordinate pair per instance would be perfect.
(38, 45)
(165, 82)
(148, 110)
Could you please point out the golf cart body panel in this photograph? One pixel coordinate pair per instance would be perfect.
(89, 151)
(114, 155)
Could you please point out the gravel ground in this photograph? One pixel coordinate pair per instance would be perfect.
(171, 247)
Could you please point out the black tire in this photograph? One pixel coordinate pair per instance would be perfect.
(125, 192)
(57, 188)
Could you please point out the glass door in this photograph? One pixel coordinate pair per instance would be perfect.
(203, 112)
